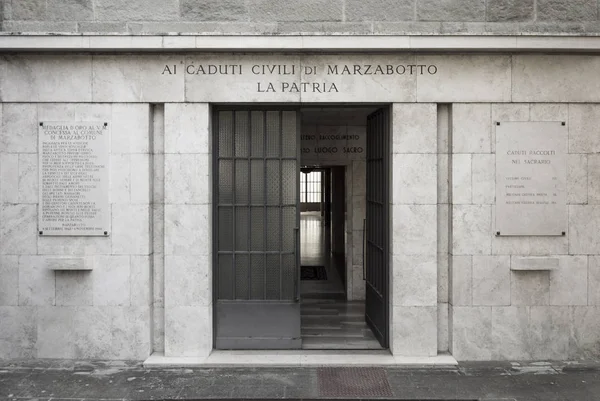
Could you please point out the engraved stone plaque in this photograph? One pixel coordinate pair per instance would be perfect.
(531, 176)
(73, 174)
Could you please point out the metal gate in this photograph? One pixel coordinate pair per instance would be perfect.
(256, 263)
(377, 228)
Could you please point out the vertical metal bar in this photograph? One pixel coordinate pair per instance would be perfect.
(281, 233)
(364, 245)
(249, 150)
(233, 160)
(265, 227)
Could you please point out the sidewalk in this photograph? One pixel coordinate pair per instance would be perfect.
(75, 380)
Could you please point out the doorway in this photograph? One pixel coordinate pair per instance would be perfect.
(268, 243)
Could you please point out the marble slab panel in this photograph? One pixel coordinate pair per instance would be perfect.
(140, 282)
(551, 332)
(484, 179)
(491, 280)
(28, 178)
(55, 332)
(583, 123)
(584, 221)
(529, 288)
(415, 280)
(158, 329)
(549, 112)
(465, 78)
(414, 229)
(443, 179)
(46, 78)
(594, 281)
(414, 128)
(18, 229)
(131, 229)
(442, 327)
(510, 334)
(593, 173)
(555, 78)
(188, 330)
(586, 331)
(187, 128)
(187, 281)
(141, 173)
(130, 128)
(188, 230)
(111, 280)
(569, 283)
(36, 282)
(364, 78)
(471, 333)
(461, 281)
(18, 332)
(74, 245)
(462, 179)
(19, 133)
(414, 179)
(510, 112)
(471, 226)
(9, 178)
(409, 341)
(137, 78)
(74, 111)
(73, 288)
(577, 179)
(9, 280)
(187, 179)
(120, 178)
(471, 128)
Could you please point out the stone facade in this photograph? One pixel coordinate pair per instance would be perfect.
(309, 16)
(455, 286)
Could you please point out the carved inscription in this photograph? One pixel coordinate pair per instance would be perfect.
(333, 144)
(531, 178)
(73, 173)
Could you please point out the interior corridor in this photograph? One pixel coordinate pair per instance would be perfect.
(328, 321)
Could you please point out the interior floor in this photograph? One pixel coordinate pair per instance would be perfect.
(328, 321)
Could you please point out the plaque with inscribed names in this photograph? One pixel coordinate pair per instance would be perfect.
(74, 178)
(531, 177)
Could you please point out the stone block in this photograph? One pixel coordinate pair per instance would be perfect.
(472, 225)
(141, 173)
(471, 128)
(583, 229)
(471, 333)
(549, 112)
(461, 179)
(577, 179)
(55, 332)
(555, 78)
(187, 281)
(379, 10)
(19, 133)
(358, 245)
(415, 280)
(593, 173)
(187, 179)
(140, 281)
(281, 10)
(130, 229)
(158, 330)
(414, 229)
(586, 332)
(187, 128)
(574, 10)
(9, 280)
(510, 334)
(594, 281)
(583, 122)
(188, 230)
(484, 179)
(510, 10)
(70, 10)
(359, 211)
(137, 78)
(529, 288)
(442, 327)
(407, 28)
(451, 10)
(46, 79)
(9, 178)
(74, 112)
(534, 263)
(491, 280)
(414, 179)
(36, 282)
(465, 78)
(359, 178)
(74, 288)
(406, 340)
(130, 131)
(39, 26)
(504, 112)
(158, 280)
(111, 280)
(28, 178)
(34, 10)
(358, 284)
(320, 28)
(148, 10)
(207, 10)
(18, 229)
(158, 184)
(188, 330)
(18, 332)
(158, 227)
(461, 281)
(73, 245)
(443, 179)
(101, 27)
(551, 332)
(569, 283)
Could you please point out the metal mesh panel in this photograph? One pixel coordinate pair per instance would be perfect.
(288, 225)
(257, 181)
(289, 274)
(225, 134)
(241, 134)
(241, 182)
(288, 134)
(242, 283)
(226, 181)
(273, 275)
(241, 229)
(257, 123)
(225, 276)
(273, 134)
(226, 228)
(257, 276)
(273, 182)
(273, 229)
(257, 223)
(289, 182)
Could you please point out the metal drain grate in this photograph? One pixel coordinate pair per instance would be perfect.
(353, 382)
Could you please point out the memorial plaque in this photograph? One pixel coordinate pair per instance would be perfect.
(531, 176)
(73, 178)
